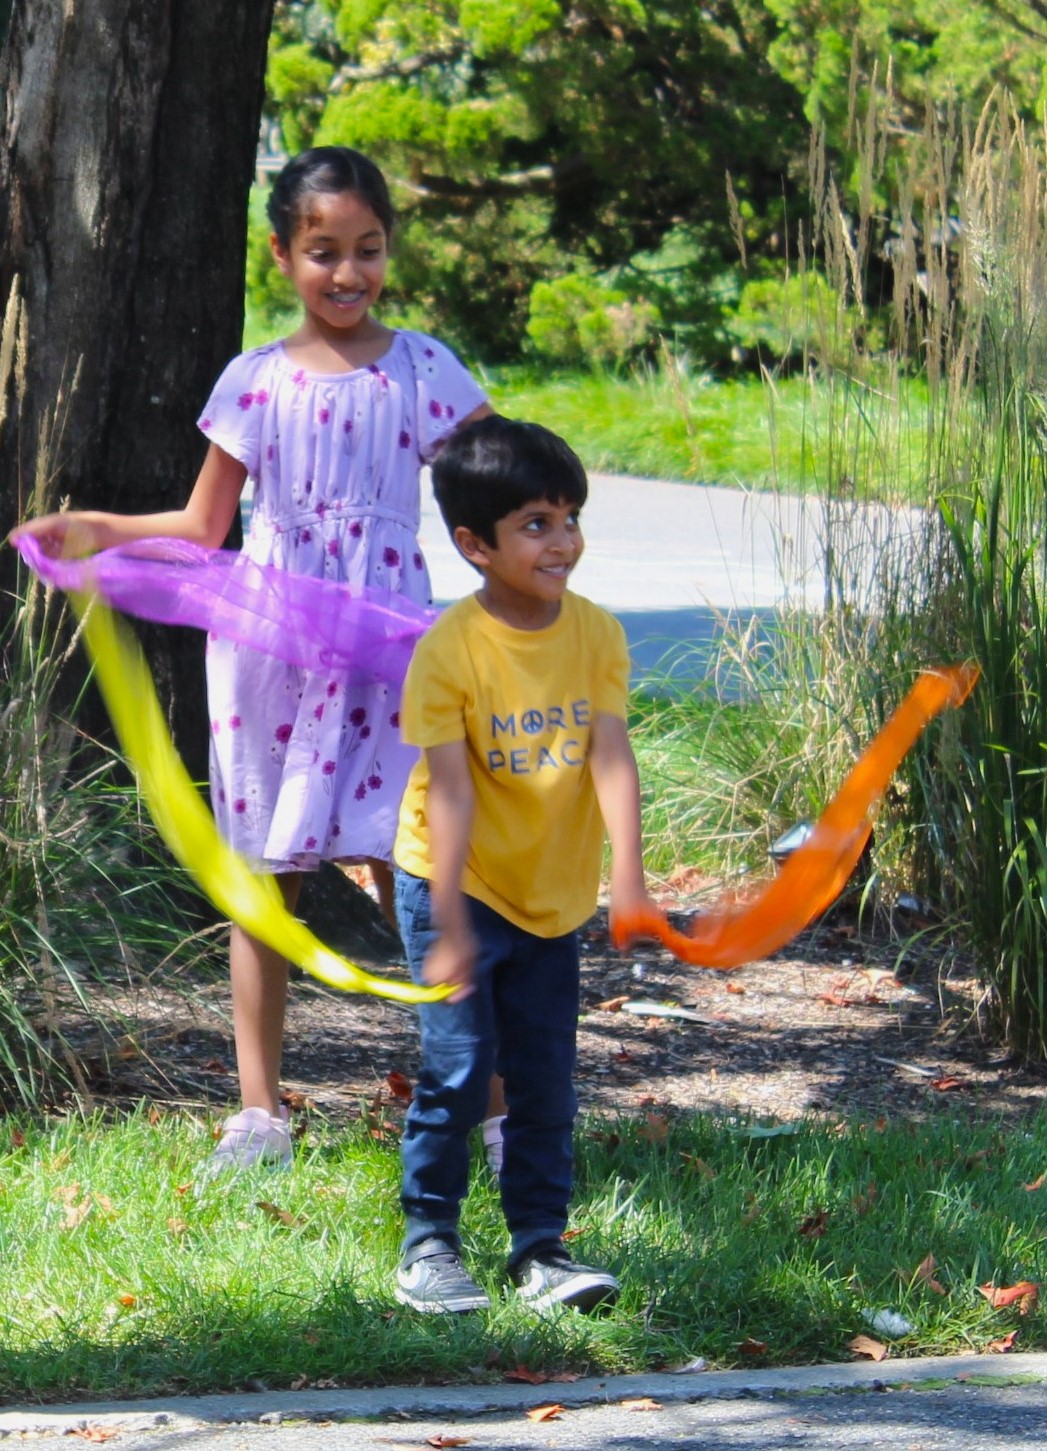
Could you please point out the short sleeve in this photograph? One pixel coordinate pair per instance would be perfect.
(611, 691)
(432, 709)
(233, 415)
(446, 391)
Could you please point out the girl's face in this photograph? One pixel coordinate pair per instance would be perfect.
(336, 260)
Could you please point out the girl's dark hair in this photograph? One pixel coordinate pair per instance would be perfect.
(326, 169)
(497, 465)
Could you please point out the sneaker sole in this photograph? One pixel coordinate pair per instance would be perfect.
(461, 1306)
(587, 1296)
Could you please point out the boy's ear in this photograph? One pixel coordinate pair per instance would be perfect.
(471, 547)
(281, 256)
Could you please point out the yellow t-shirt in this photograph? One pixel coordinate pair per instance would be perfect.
(523, 701)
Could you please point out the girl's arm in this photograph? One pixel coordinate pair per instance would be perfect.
(450, 804)
(617, 785)
(205, 519)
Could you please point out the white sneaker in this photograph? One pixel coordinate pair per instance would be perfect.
(253, 1136)
(492, 1132)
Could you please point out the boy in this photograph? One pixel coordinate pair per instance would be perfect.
(517, 697)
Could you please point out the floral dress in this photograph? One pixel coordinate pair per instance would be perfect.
(304, 766)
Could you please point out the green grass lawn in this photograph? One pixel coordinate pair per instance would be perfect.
(734, 1242)
(795, 434)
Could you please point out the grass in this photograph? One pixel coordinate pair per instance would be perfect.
(731, 1242)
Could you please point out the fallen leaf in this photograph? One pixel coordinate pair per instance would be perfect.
(735, 987)
(612, 1005)
(94, 1433)
(863, 1201)
(947, 1082)
(1037, 1184)
(924, 1272)
(690, 1367)
(280, 1216)
(814, 1225)
(1025, 1294)
(440, 1440)
(400, 1085)
(698, 1166)
(215, 1065)
(866, 1346)
(530, 1377)
(75, 1214)
(642, 1403)
(655, 1128)
(17, 1139)
(749, 1346)
(837, 1000)
(155, 1116)
(296, 1101)
(544, 1413)
(622, 1056)
(1003, 1345)
(177, 1226)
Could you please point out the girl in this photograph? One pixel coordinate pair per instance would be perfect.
(331, 426)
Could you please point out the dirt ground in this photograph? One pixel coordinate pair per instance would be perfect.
(845, 1021)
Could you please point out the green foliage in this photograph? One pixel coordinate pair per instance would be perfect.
(525, 141)
(799, 317)
(575, 320)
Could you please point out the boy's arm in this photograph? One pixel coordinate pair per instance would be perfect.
(449, 807)
(617, 785)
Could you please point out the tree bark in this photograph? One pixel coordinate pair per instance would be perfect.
(127, 149)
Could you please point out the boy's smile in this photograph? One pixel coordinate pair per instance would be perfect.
(527, 569)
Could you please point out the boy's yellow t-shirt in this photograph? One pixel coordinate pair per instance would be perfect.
(523, 701)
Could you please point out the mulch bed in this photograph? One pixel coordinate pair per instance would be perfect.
(845, 1022)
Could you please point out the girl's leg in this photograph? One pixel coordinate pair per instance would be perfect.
(494, 1124)
(259, 981)
(382, 876)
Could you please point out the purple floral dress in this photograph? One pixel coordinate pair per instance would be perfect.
(304, 768)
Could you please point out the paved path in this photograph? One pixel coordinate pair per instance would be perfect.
(673, 560)
(992, 1403)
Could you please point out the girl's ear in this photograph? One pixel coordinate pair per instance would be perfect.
(471, 547)
(281, 255)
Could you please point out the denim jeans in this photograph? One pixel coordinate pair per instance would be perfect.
(521, 1020)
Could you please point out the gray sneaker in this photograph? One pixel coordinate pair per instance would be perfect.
(548, 1276)
(435, 1282)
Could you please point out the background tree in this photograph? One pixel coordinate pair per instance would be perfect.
(127, 151)
(533, 138)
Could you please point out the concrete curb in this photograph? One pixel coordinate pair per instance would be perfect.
(367, 1403)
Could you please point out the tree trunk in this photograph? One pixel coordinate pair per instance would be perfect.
(126, 155)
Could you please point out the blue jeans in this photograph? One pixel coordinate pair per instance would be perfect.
(521, 1021)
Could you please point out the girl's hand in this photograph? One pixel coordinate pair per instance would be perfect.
(451, 960)
(62, 536)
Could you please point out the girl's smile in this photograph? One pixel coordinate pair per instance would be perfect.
(337, 261)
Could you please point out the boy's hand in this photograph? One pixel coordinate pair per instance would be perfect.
(633, 911)
(451, 960)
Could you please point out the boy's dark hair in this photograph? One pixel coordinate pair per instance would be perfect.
(326, 169)
(497, 465)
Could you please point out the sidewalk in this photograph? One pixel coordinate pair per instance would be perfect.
(400, 1414)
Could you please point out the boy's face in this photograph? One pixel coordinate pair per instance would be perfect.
(527, 569)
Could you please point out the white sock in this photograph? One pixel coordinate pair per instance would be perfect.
(492, 1132)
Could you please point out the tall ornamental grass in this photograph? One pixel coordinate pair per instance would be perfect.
(954, 570)
(88, 897)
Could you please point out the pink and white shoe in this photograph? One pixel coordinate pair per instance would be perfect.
(253, 1136)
